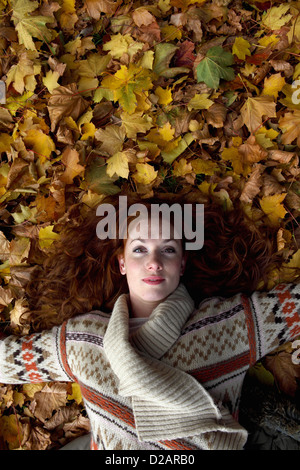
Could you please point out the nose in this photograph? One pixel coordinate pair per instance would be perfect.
(154, 262)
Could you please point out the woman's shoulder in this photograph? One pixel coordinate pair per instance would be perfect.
(93, 322)
(214, 307)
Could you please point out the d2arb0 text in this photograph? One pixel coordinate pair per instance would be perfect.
(176, 459)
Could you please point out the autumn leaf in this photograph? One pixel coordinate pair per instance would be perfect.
(241, 48)
(118, 163)
(285, 372)
(135, 123)
(273, 207)
(276, 17)
(65, 101)
(112, 137)
(70, 159)
(215, 66)
(47, 236)
(50, 398)
(126, 83)
(289, 124)
(29, 26)
(145, 173)
(96, 7)
(255, 109)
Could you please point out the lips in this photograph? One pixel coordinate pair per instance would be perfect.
(153, 280)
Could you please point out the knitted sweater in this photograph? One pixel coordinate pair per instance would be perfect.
(175, 383)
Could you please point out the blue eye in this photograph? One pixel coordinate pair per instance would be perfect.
(170, 250)
(139, 249)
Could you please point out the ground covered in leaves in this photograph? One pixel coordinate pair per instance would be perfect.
(166, 96)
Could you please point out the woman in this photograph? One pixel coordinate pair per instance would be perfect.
(155, 372)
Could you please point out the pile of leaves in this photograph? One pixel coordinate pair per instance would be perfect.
(177, 96)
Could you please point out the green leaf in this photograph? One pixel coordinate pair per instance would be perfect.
(214, 66)
(97, 180)
(169, 157)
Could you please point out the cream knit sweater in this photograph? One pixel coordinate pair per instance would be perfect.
(163, 386)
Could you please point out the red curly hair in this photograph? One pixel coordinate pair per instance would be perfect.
(82, 272)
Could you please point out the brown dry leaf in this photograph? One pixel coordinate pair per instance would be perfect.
(256, 109)
(38, 439)
(65, 101)
(142, 17)
(80, 425)
(253, 185)
(70, 159)
(251, 152)
(284, 371)
(96, 7)
(63, 415)
(50, 398)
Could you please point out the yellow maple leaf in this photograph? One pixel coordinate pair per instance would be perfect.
(5, 142)
(135, 123)
(254, 109)
(67, 14)
(164, 95)
(276, 17)
(76, 394)
(267, 40)
(200, 101)
(145, 173)
(29, 26)
(17, 73)
(272, 206)
(182, 167)
(47, 236)
(239, 167)
(241, 48)
(118, 164)
(88, 130)
(207, 188)
(31, 389)
(40, 143)
(273, 85)
(206, 167)
(50, 80)
(167, 132)
(127, 83)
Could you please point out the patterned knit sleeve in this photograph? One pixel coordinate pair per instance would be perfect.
(275, 317)
(33, 358)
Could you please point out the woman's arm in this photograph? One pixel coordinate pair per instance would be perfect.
(273, 317)
(33, 358)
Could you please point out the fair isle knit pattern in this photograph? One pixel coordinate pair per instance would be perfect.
(163, 387)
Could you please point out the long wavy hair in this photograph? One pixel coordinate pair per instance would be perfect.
(82, 272)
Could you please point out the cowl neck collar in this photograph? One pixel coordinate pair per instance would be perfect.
(167, 403)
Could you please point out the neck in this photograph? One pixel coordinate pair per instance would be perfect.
(142, 309)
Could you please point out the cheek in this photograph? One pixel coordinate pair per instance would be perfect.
(132, 267)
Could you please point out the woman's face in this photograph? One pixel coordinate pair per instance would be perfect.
(152, 266)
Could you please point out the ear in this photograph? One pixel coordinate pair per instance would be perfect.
(183, 263)
(122, 264)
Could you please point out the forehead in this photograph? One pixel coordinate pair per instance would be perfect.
(153, 227)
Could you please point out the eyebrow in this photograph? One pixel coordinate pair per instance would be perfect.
(144, 241)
